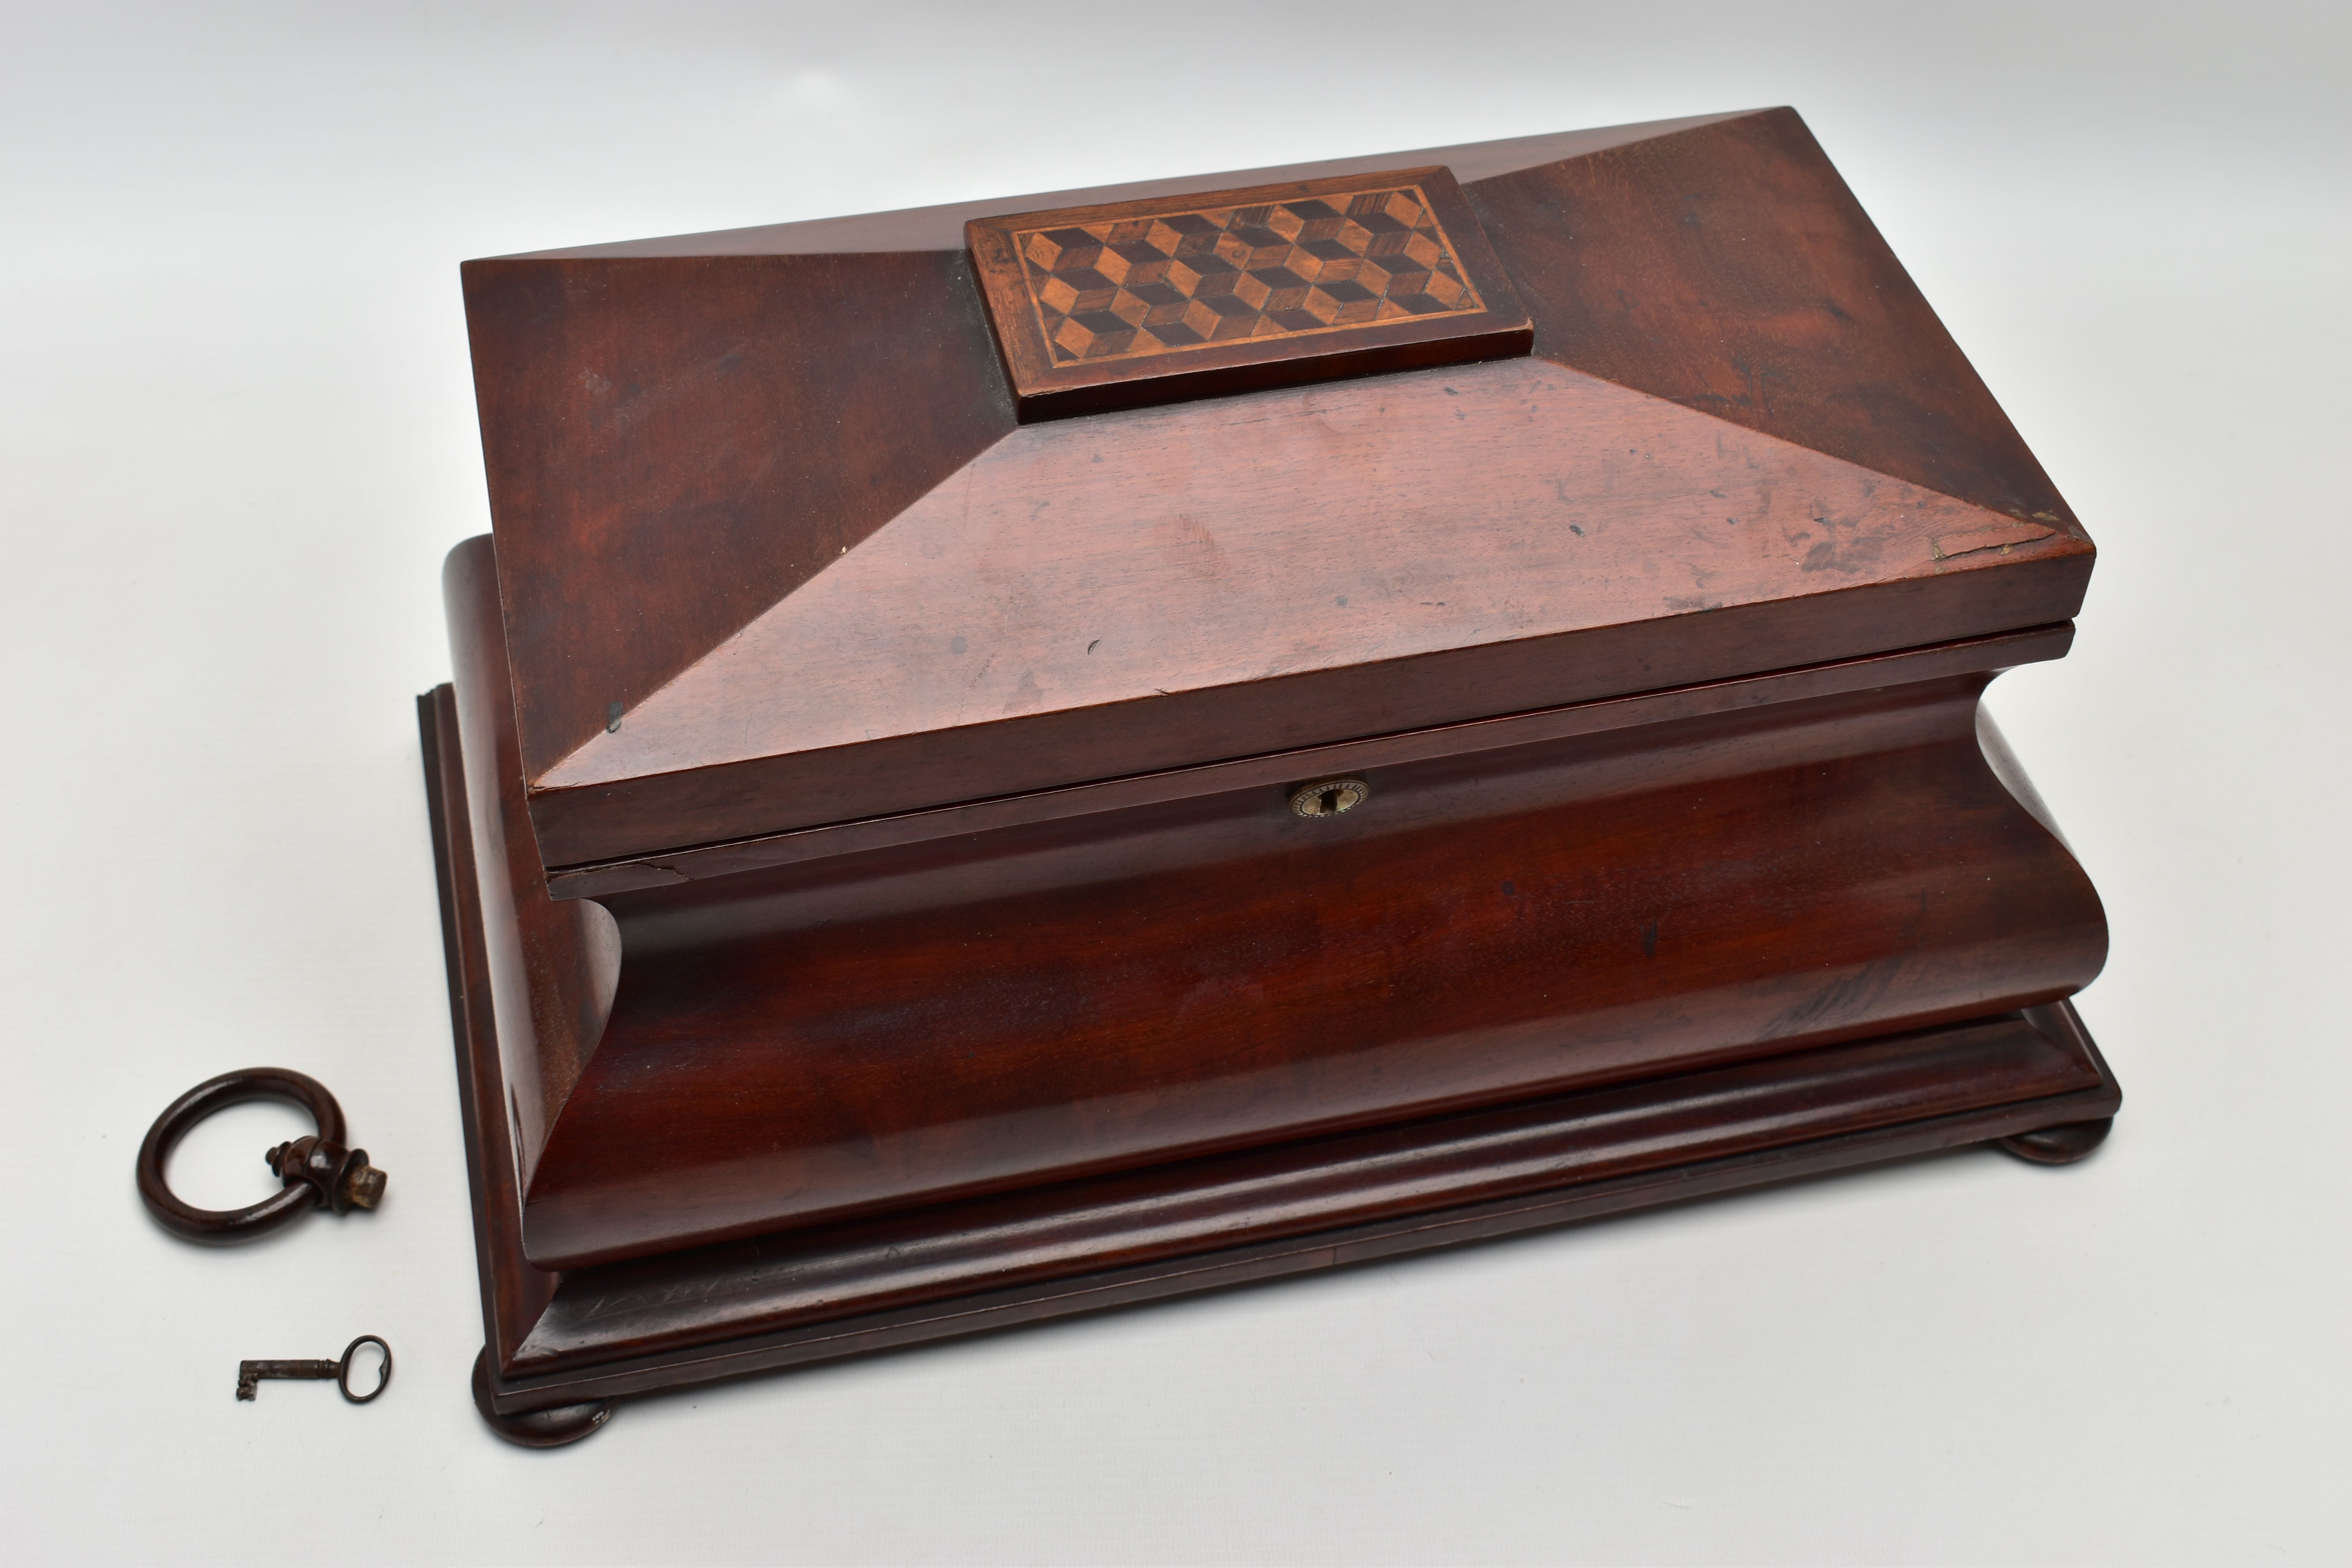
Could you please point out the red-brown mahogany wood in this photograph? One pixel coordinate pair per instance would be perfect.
(812, 426)
(1965, 655)
(1141, 591)
(773, 554)
(939, 1019)
(550, 967)
(874, 902)
(565, 1339)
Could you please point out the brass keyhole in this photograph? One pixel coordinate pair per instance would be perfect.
(1328, 797)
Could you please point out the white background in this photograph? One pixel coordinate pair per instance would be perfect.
(237, 435)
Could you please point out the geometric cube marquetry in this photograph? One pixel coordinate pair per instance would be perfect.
(1181, 297)
(1183, 280)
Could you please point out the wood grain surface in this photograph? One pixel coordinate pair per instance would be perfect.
(1100, 597)
(2002, 651)
(560, 1337)
(874, 902)
(938, 1018)
(703, 455)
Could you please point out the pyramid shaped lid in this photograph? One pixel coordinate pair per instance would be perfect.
(823, 521)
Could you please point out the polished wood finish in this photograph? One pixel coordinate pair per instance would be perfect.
(1315, 585)
(547, 1427)
(2061, 1145)
(1743, 444)
(813, 428)
(1209, 971)
(1967, 654)
(565, 1339)
(876, 898)
(1130, 303)
(1729, 269)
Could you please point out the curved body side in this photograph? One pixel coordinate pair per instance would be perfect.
(876, 1031)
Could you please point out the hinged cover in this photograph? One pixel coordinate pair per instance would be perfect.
(775, 550)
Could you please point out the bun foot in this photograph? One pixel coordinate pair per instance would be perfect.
(2059, 1146)
(537, 1428)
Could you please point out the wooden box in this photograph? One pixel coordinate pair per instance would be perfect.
(1016, 758)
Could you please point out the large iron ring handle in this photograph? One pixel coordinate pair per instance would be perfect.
(318, 1171)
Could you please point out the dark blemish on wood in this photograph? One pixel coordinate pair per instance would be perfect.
(1827, 556)
(959, 644)
(1093, 645)
(1509, 892)
(1650, 940)
(1451, 393)
(1576, 530)
(613, 711)
(1341, 601)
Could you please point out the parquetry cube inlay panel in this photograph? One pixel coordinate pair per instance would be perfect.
(1188, 295)
(1184, 280)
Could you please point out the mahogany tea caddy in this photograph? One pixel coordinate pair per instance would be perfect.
(1019, 758)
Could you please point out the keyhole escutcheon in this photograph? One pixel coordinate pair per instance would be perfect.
(1329, 797)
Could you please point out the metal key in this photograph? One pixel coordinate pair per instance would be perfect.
(249, 1373)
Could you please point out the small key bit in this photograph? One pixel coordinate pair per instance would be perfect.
(249, 1373)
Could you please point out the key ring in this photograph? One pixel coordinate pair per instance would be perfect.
(344, 1370)
(318, 1171)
